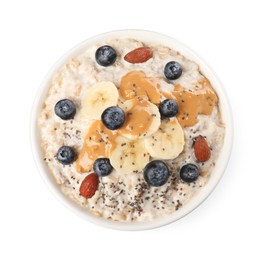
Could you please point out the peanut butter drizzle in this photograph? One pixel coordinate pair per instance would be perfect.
(138, 117)
(135, 83)
(98, 142)
(201, 100)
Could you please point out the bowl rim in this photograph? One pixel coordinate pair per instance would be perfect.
(222, 161)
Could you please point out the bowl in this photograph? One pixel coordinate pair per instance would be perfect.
(147, 37)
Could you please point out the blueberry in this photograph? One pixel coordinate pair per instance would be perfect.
(105, 55)
(156, 173)
(189, 173)
(168, 108)
(113, 117)
(65, 109)
(102, 167)
(66, 155)
(173, 70)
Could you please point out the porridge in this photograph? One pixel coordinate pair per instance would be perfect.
(130, 132)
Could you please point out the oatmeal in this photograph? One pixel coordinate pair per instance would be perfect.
(130, 132)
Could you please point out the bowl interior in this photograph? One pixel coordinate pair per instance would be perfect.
(150, 38)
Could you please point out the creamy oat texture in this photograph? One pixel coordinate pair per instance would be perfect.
(124, 197)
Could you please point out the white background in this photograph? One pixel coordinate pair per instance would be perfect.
(34, 34)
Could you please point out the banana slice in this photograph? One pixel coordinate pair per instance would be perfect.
(129, 156)
(99, 97)
(142, 118)
(167, 142)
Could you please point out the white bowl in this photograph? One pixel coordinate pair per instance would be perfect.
(147, 37)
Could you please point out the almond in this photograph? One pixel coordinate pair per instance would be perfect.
(201, 149)
(89, 185)
(139, 55)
